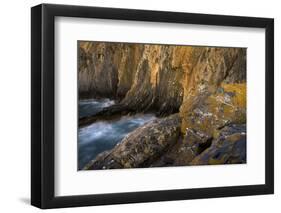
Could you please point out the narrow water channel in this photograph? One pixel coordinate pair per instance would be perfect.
(104, 135)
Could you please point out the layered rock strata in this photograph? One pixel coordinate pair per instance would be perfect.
(204, 87)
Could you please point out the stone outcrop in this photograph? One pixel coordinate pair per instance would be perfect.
(204, 86)
(207, 112)
(209, 118)
(142, 77)
(229, 147)
(155, 77)
(142, 146)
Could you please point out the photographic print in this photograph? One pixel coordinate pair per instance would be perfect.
(160, 105)
(178, 92)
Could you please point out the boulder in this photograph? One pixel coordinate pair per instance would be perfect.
(229, 147)
(208, 114)
(142, 146)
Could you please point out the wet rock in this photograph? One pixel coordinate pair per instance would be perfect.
(142, 146)
(108, 113)
(229, 147)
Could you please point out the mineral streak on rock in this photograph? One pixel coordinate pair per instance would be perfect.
(204, 86)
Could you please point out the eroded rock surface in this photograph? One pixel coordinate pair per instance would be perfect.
(201, 90)
(229, 147)
(205, 121)
(142, 146)
(207, 111)
(155, 77)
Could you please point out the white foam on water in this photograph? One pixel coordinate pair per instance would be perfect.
(104, 135)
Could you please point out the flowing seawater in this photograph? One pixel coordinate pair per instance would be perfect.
(104, 135)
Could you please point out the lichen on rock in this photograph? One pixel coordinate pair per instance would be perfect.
(229, 147)
(142, 146)
(208, 112)
(198, 93)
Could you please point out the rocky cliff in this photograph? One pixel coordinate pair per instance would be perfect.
(206, 86)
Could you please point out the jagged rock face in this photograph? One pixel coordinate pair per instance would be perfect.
(143, 77)
(157, 84)
(107, 69)
(206, 85)
(97, 76)
(212, 66)
(215, 96)
(208, 112)
(142, 146)
(159, 144)
(229, 147)
(207, 119)
(158, 77)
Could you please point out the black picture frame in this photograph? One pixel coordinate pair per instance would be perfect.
(43, 102)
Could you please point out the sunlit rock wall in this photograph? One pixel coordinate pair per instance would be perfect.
(164, 78)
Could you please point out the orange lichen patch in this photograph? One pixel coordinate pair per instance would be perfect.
(240, 91)
(206, 114)
(229, 102)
